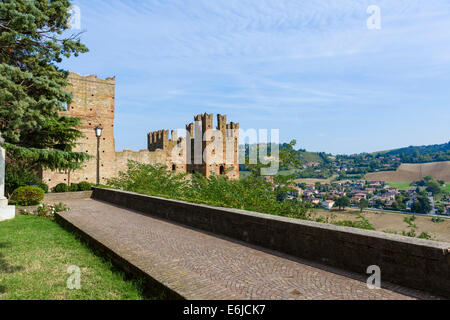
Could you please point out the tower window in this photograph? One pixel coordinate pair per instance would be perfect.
(222, 170)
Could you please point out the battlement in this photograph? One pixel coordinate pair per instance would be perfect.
(232, 129)
(160, 140)
(221, 122)
(206, 121)
(228, 129)
(93, 78)
(190, 130)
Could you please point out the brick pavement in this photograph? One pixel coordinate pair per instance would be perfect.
(200, 265)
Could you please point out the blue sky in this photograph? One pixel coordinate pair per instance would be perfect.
(310, 68)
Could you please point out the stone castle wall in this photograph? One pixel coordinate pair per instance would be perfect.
(93, 103)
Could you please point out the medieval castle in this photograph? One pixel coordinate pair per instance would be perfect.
(204, 149)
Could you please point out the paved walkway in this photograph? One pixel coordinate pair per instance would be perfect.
(199, 265)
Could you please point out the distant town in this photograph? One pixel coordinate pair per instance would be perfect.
(422, 197)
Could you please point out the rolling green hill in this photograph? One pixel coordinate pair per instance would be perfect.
(306, 156)
(420, 154)
(391, 162)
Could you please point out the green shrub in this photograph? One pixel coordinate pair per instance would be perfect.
(27, 196)
(59, 207)
(48, 210)
(360, 223)
(251, 193)
(437, 220)
(84, 186)
(19, 173)
(74, 187)
(425, 235)
(43, 186)
(62, 187)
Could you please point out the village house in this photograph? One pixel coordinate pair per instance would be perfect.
(327, 204)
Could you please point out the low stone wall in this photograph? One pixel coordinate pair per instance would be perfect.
(413, 263)
(60, 196)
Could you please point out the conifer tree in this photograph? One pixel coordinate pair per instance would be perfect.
(33, 41)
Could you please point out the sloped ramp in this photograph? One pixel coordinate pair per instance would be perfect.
(196, 265)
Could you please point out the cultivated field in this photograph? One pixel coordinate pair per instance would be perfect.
(393, 222)
(401, 185)
(413, 172)
(313, 180)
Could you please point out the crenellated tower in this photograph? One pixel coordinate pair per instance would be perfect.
(213, 151)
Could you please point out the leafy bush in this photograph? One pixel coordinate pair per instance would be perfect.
(27, 196)
(411, 233)
(43, 186)
(84, 186)
(59, 207)
(437, 220)
(20, 173)
(74, 187)
(425, 235)
(49, 210)
(411, 230)
(360, 223)
(46, 210)
(251, 193)
(62, 187)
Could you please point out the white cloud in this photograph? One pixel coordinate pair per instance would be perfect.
(269, 60)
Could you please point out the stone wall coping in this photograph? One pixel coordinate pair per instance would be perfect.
(52, 196)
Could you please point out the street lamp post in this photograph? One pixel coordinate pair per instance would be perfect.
(98, 134)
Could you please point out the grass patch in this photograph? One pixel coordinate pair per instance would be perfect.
(407, 185)
(400, 185)
(35, 254)
(287, 172)
(446, 189)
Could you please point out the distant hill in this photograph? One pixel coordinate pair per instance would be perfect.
(413, 172)
(390, 165)
(420, 154)
(306, 156)
(303, 155)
